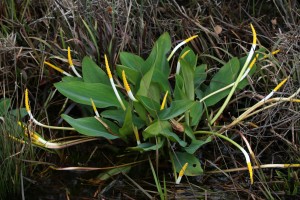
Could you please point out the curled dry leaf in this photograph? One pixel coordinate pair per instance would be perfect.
(218, 29)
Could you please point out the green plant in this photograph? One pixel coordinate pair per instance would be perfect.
(161, 107)
(12, 167)
(289, 182)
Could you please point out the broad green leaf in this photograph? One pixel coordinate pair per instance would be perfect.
(92, 73)
(91, 127)
(194, 166)
(148, 146)
(132, 75)
(141, 111)
(196, 112)
(117, 115)
(188, 131)
(145, 83)
(225, 76)
(80, 92)
(200, 75)
(199, 93)
(155, 92)
(151, 106)
(188, 73)
(71, 79)
(156, 61)
(173, 137)
(158, 55)
(176, 108)
(179, 89)
(196, 144)
(161, 80)
(156, 128)
(126, 129)
(131, 61)
(162, 128)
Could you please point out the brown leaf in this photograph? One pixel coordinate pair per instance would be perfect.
(218, 29)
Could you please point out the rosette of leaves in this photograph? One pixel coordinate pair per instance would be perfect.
(149, 80)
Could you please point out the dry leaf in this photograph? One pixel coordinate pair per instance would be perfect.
(218, 29)
(274, 22)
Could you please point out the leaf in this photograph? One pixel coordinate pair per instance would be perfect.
(81, 92)
(148, 146)
(91, 127)
(156, 128)
(132, 75)
(133, 66)
(156, 61)
(161, 80)
(71, 78)
(141, 111)
(200, 75)
(196, 112)
(188, 74)
(176, 108)
(173, 137)
(145, 83)
(190, 58)
(155, 92)
(196, 144)
(189, 132)
(179, 89)
(158, 55)
(150, 105)
(225, 76)
(131, 61)
(92, 73)
(126, 129)
(162, 128)
(218, 29)
(117, 115)
(194, 166)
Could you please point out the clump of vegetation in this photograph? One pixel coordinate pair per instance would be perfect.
(145, 114)
(13, 151)
(142, 132)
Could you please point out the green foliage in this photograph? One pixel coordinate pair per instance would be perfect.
(289, 182)
(13, 153)
(149, 80)
(82, 92)
(194, 167)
